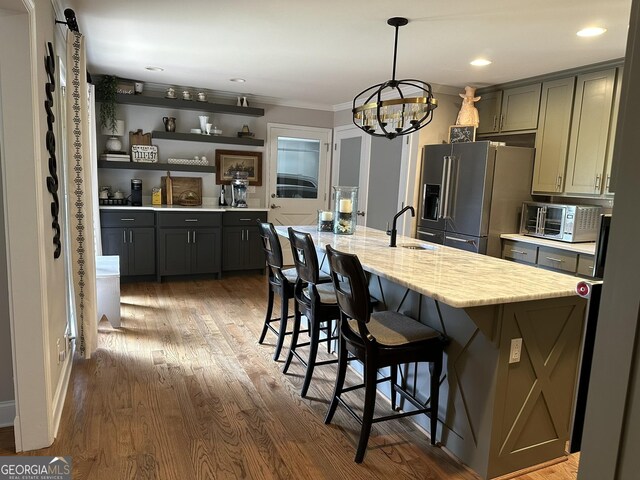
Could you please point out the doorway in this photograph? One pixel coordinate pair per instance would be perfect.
(375, 165)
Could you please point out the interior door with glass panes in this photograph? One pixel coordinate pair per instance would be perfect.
(298, 174)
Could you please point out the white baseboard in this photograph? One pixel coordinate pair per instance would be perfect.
(61, 392)
(7, 413)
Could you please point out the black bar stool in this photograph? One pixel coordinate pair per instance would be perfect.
(281, 282)
(379, 339)
(314, 300)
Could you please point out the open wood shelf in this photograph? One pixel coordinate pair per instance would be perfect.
(181, 104)
(198, 137)
(156, 166)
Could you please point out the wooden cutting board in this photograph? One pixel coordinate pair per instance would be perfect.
(186, 190)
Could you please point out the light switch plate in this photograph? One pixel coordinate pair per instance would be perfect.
(516, 350)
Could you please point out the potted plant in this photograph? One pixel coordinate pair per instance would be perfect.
(107, 89)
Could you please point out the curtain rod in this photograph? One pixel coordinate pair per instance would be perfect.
(72, 23)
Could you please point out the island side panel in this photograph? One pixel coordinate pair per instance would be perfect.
(534, 397)
(468, 382)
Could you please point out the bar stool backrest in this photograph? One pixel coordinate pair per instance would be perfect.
(304, 256)
(351, 287)
(271, 248)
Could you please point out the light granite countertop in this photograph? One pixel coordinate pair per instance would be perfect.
(588, 248)
(455, 277)
(180, 208)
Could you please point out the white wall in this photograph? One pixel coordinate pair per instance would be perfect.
(38, 303)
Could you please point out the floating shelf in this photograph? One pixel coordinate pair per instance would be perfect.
(197, 137)
(156, 166)
(178, 103)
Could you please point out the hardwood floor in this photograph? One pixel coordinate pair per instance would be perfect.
(184, 391)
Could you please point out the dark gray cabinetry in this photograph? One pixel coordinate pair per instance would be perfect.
(189, 243)
(241, 244)
(131, 236)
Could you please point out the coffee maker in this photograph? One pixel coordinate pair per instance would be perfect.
(239, 186)
(136, 192)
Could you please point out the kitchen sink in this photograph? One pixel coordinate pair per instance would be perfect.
(418, 247)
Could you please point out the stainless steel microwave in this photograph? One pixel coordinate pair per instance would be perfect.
(567, 223)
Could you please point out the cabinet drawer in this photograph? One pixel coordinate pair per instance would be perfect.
(127, 218)
(519, 251)
(189, 219)
(243, 218)
(585, 265)
(557, 259)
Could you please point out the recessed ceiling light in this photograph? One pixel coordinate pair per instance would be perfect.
(237, 80)
(480, 62)
(591, 32)
(155, 69)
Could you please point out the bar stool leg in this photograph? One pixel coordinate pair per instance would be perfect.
(435, 396)
(370, 376)
(342, 370)
(294, 337)
(393, 374)
(284, 313)
(314, 328)
(267, 318)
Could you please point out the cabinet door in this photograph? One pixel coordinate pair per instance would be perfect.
(590, 132)
(489, 112)
(233, 248)
(205, 250)
(607, 187)
(174, 251)
(116, 242)
(142, 251)
(254, 254)
(520, 108)
(552, 138)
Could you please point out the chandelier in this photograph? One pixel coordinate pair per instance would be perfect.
(397, 116)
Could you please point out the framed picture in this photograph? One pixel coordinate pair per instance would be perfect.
(462, 133)
(229, 161)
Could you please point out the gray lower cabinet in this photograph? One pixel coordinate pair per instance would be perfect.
(563, 261)
(189, 243)
(131, 236)
(241, 243)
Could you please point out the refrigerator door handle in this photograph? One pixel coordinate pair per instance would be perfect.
(461, 240)
(452, 187)
(424, 200)
(442, 199)
(446, 178)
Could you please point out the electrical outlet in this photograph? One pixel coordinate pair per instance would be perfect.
(516, 350)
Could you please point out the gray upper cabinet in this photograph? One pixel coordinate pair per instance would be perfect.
(592, 110)
(520, 108)
(489, 112)
(607, 187)
(510, 110)
(552, 138)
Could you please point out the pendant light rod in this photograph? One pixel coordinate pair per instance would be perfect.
(396, 22)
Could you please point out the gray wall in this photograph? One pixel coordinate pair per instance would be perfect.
(612, 425)
(6, 362)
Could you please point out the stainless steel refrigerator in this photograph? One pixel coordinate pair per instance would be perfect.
(471, 193)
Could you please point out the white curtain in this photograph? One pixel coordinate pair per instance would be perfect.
(82, 196)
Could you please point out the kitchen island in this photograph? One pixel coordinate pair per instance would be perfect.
(502, 408)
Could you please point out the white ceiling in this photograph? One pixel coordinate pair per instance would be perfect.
(322, 53)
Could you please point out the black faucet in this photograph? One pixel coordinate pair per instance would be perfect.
(394, 232)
